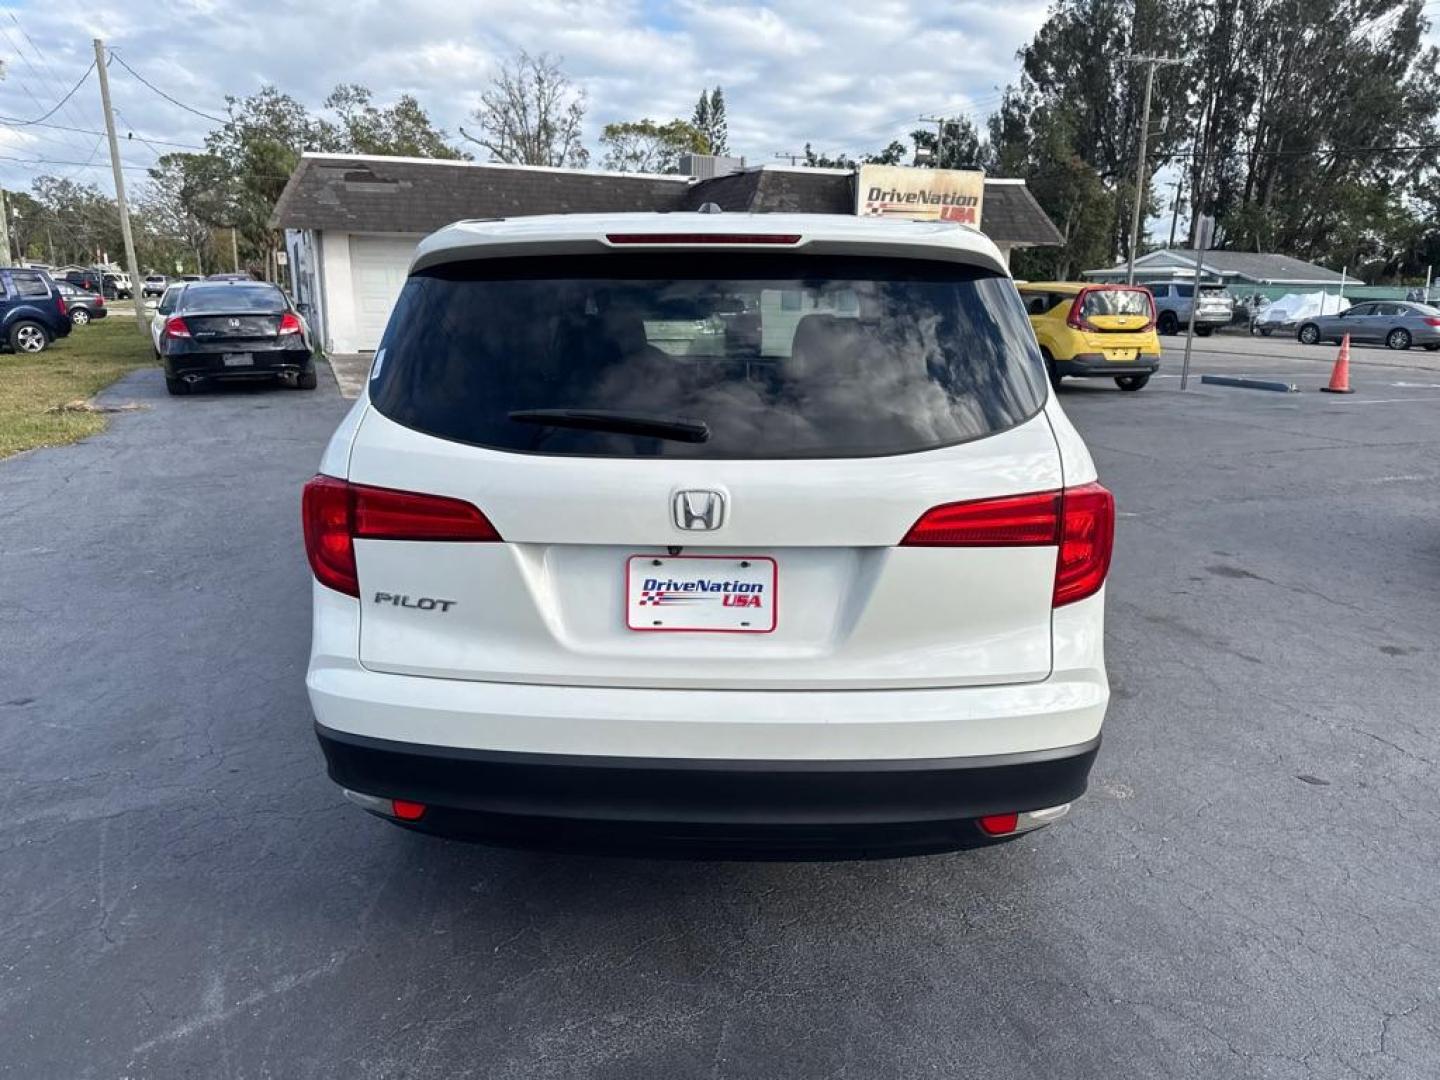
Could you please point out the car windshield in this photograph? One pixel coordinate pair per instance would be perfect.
(234, 300)
(1115, 302)
(635, 356)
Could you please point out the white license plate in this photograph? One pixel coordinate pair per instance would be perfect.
(237, 359)
(708, 593)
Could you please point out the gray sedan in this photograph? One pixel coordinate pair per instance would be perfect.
(1397, 323)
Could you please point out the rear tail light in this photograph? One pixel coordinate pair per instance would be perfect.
(336, 513)
(290, 324)
(1432, 321)
(1075, 320)
(1078, 521)
(1087, 538)
(406, 810)
(64, 307)
(99, 301)
(175, 327)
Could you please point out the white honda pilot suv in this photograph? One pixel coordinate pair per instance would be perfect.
(749, 535)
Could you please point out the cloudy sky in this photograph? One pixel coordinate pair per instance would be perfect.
(844, 75)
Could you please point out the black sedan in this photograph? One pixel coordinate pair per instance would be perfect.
(85, 306)
(235, 331)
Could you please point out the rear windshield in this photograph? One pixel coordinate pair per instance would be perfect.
(234, 300)
(1116, 302)
(748, 356)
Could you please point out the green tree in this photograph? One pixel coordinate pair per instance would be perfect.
(359, 127)
(961, 147)
(648, 146)
(709, 119)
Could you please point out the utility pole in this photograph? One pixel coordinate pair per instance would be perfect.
(1175, 209)
(939, 122)
(234, 250)
(130, 262)
(1150, 62)
(4, 231)
(1197, 226)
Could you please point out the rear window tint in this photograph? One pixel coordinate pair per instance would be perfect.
(796, 356)
(29, 285)
(233, 299)
(1116, 302)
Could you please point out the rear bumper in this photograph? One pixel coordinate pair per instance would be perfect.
(704, 806)
(1094, 365)
(210, 363)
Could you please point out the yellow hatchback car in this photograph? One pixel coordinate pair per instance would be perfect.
(1094, 331)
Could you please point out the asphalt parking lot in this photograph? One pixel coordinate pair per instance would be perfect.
(1249, 889)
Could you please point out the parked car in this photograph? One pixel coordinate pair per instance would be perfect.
(1094, 331)
(155, 285)
(32, 311)
(169, 300)
(1173, 302)
(91, 281)
(119, 286)
(1397, 323)
(233, 331)
(85, 307)
(843, 595)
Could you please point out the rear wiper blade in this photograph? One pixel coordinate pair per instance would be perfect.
(677, 429)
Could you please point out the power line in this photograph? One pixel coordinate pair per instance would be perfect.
(17, 122)
(71, 110)
(68, 143)
(173, 101)
(94, 131)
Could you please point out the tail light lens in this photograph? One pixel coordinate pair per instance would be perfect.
(175, 327)
(290, 324)
(1075, 320)
(1432, 321)
(64, 307)
(336, 513)
(1087, 539)
(1078, 521)
(99, 301)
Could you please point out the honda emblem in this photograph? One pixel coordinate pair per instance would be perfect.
(699, 510)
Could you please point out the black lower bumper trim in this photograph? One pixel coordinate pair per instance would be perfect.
(1090, 366)
(726, 808)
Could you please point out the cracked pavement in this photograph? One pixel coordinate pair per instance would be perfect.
(1248, 890)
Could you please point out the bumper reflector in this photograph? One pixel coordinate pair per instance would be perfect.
(407, 811)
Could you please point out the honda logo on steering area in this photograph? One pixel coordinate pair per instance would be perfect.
(699, 510)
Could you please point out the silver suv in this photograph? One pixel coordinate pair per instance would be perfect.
(1172, 307)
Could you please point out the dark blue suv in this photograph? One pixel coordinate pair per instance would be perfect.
(32, 311)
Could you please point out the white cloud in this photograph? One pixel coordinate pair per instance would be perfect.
(844, 75)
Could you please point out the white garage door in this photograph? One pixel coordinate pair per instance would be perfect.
(377, 271)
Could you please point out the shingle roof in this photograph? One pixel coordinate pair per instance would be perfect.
(413, 195)
(1257, 266)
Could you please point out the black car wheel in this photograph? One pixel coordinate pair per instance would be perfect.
(1309, 334)
(307, 380)
(1398, 339)
(177, 387)
(1131, 382)
(79, 316)
(1169, 324)
(29, 337)
(1204, 331)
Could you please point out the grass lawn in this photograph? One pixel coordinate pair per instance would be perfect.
(34, 390)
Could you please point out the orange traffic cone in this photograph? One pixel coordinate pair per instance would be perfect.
(1340, 377)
